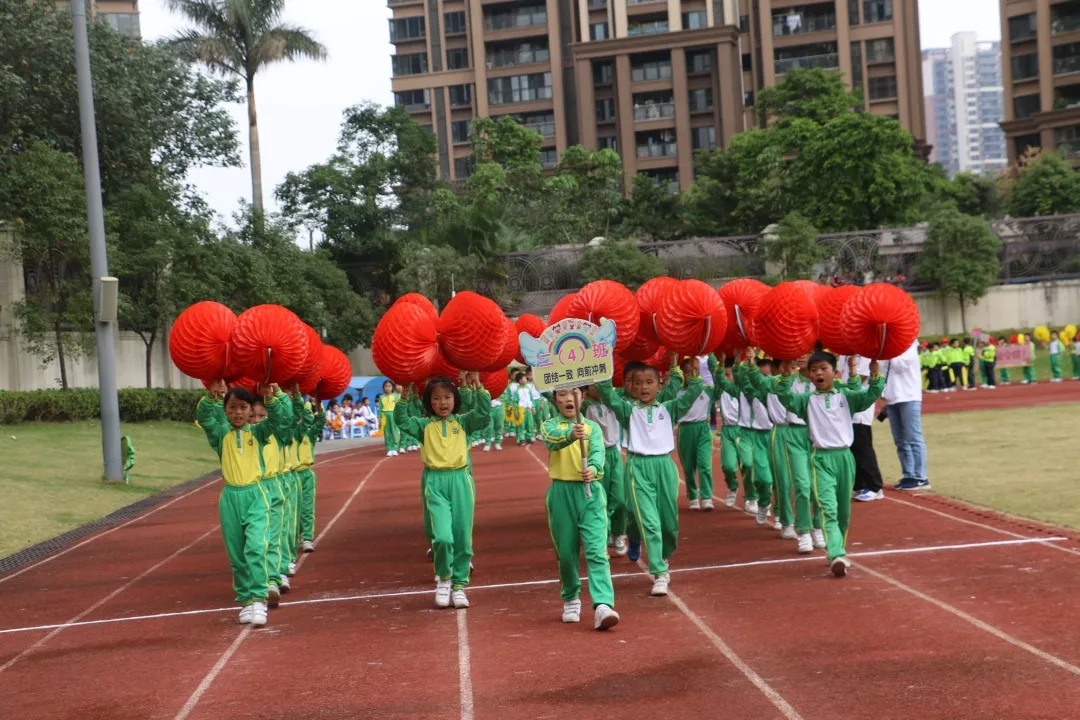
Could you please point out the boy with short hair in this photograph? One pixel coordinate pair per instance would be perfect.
(988, 358)
(969, 359)
(695, 445)
(828, 413)
(726, 394)
(759, 433)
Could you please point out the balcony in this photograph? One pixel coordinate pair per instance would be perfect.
(1065, 64)
(546, 129)
(519, 95)
(654, 111)
(523, 18)
(650, 28)
(392, 3)
(597, 4)
(828, 61)
(657, 150)
(801, 23)
(651, 71)
(644, 2)
(512, 57)
(1065, 18)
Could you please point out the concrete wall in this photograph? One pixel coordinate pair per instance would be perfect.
(1004, 307)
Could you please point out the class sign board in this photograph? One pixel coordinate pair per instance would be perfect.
(571, 353)
(1018, 355)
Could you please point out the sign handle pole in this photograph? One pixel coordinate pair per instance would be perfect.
(584, 459)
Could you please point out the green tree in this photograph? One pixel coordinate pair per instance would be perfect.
(652, 212)
(238, 38)
(975, 194)
(960, 256)
(582, 199)
(620, 261)
(813, 94)
(436, 272)
(42, 193)
(793, 245)
(1047, 185)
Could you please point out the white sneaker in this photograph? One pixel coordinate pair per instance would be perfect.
(788, 532)
(707, 505)
(660, 585)
(414, 448)
(442, 593)
(994, 387)
(839, 566)
(806, 544)
(461, 601)
(751, 507)
(245, 615)
(571, 611)
(604, 618)
(776, 524)
(620, 545)
(285, 585)
(818, 538)
(307, 546)
(498, 447)
(870, 495)
(695, 505)
(273, 596)
(258, 614)
(762, 514)
(292, 569)
(732, 495)
(487, 448)
(390, 453)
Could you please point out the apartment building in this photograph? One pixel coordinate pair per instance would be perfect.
(965, 106)
(655, 80)
(121, 14)
(1041, 69)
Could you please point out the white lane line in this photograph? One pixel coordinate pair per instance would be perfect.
(224, 659)
(986, 627)
(464, 666)
(975, 523)
(75, 620)
(531, 583)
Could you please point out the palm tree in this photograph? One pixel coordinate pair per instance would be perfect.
(240, 38)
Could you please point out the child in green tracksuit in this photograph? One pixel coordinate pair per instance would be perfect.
(494, 433)
(614, 478)
(391, 435)
(759, 434)
(1029, 370)
(523, 399)
(276, 494)
(1056, 350)
(726, 394)
(449, 490)
(290, 485)
(245, 505)
(694, 441)
(828, 412)
(1076, 358)
(1006, 374)
(652, 474)
(307, 431)
(577, 509)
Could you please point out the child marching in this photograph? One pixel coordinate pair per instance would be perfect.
(614, 479)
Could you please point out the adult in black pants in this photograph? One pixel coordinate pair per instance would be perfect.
(868, 482)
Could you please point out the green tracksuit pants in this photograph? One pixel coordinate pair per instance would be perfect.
(307, 503)
(797, 461)
(450, 500)
(614, 482)
(746, 463)
(729, 455)
(278, 521)
(290, 485)
(781, 475)
(1029, 373)
(526, 430)
(695, 453)
(496, 427)
(763, 476)
(833, 475)
(1076, 367)
(578, 523)
(1006, 375)
(391, 435)
(654, 487)
(247, 514)
(1055, 366)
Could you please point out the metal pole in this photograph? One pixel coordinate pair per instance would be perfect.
(99, 261)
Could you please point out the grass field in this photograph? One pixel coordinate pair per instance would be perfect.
(50, 481)
(1019, 461)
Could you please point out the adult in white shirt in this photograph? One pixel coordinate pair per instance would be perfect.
(903, 403)
(868, 482)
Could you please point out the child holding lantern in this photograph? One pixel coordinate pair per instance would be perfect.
(757, 454)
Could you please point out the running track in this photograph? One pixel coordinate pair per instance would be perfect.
(949, 613)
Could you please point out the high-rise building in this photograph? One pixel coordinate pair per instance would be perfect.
(654, 79)
(1041, 72)
(121, 14)
(964, 105)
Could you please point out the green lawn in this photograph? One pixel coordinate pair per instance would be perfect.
(50, 481)
(1019, 461)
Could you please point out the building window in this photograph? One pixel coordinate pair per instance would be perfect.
(882, 88)
(460, 129)
(1021, 27)
(853, 12)
(880, 51)
(520, 53)
(541, 122)
(701, 100)
(875, 11)
(647, 28)
(519, 88)
(656, 143)
(1023, 142)
(603, 73)
(744, 23)
(530, 16)
(646, 70)
(1026, 66)
(127, 23)
(803, 19)
(549, 159)
(460, 95)
(598, 31)
(457, 59)
(413, 100)
(694, 20)
(748, 99)
(463, 167)
(699, 62)
(411, 64)
(406, 29)
(653, 106)
(747, 62)
(814, 55)
(607, 142)
(1066, 58)
(705, 138)
(605, 110)
(857, 70)
(455, 23)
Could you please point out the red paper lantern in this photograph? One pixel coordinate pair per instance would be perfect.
(742, 298)
(405, 346)
(530, 324)
(336, 373)
(421, 302)
(816, 291)
(618, 373)
(199, 340)
(881, 321)
(661, 359)
(691, 319)
(649, 297)
(269, 343)
(642, 348)
(830, 307)
(786, 323)
(495, 382)
(511, 348)
(561, 311)
(444, 369)
(472, 331)
(310, 373)
(245, 383)
(607, 299)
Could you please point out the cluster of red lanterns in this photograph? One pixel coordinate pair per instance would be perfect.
(265, 344)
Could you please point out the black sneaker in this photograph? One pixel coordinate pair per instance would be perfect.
(912, 484)
(897, 486)
(923, 484)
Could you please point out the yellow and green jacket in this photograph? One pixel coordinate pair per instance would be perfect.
(443, 443)
(306, 433)
(242, 450)
(564, 453)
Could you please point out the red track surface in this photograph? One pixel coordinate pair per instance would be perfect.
(982, 631)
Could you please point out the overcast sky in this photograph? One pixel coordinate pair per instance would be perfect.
(300, 105)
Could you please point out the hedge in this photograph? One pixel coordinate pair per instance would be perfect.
(136, 405)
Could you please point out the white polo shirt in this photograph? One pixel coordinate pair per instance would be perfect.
(903, 377)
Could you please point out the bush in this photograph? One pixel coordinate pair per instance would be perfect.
(619, 261)
(136, 405)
